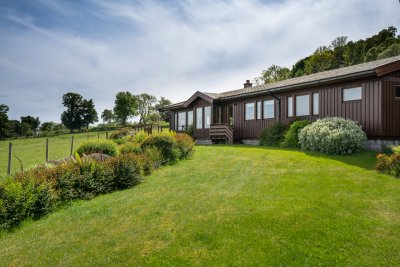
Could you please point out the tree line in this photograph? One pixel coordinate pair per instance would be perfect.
(80, 113)
(340, 53)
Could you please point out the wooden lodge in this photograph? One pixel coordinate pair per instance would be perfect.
(368, 93)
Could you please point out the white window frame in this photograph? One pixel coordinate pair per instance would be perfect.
(207, 117)
(190, 115)
(290, 106)
(315, 103)
(266, 104)
(259, 110)
(348, 89)
(181, 127)
(246, 113)
(199, 119)
(298, 106)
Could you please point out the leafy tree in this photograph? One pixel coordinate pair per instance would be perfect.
(319, 61)
(275, 73)
(152, 118)
(47, 126)
(88, 113)
(4, 123)
(14, 127)
(391, 51)
(338, 46)
(126, 106)
(107, 116)
(145, 105)
(32, 122)
(71, 118)
(164, 115)
(298, 68)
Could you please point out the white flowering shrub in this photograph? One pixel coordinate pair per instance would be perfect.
(332, 136)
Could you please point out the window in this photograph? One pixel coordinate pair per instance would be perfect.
(249, 111)
(397, 93)
(302, 105)
(350, 94)
(207, 117)
(290, 106)
(199, 118)
(269, 109)
(315, 103)
(258, 110)
(181, 121)
(176, 121)
(190, 118)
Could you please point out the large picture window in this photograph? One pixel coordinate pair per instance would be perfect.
(190, 118)
(258, 110)
(290, 106)
(207, 117)
(176, 121)
(249, 111)
(269, 109)
(315, 103)
(199, 118)
(181, 121)
(302, 105)
(351, 94)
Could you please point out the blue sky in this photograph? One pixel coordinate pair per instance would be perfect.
(165, 48)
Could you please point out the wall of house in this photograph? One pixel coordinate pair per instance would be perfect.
(391, 106)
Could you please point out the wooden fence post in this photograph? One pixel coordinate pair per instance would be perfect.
(72, 146)
(107, 134)
(9, 158)
(47, 149)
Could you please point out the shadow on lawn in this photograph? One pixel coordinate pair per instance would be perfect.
(365, 159)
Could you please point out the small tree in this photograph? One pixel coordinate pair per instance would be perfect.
(4, 123)
(126, 106)
(107, 116)
(32, 122)
(88, 113)
(145, 105)
(164, 115)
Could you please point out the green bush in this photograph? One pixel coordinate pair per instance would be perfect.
(291, 137)
(273, 135)
(121, 133)
(389, 164)
(395, 149)
(139, 137)
(103, 146)
(154, 155)
(332, 136)
(130, 148)
(126, 171)
(166, 143)
(185, 144)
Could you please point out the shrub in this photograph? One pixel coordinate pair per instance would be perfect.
(166, 143)
(389, 164)
(130, 148)
(190, 130)
(121, 133)
(332, 136)
(154, 155)
(126, 171)
(139, 137)
(395, 149)
(185, 145)
(273, 135)
(291, 137)
(102, 146)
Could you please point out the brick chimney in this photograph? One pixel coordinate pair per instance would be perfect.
(247, 84)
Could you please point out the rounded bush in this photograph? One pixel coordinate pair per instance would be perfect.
(103, 146)
(273, 135)
(130, 148)
(121, 133)
(166, 143)
(291, 137)
(332, 136)
(185, 144)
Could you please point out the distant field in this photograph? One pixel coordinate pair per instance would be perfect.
(33, 151)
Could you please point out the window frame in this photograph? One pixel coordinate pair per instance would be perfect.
(187, 118)
(292, 106)
(313, 103)
(202, 121)
(179, 118)
(309, 105)
(264, 109)
(205, 118)
(349, 88)
(259, 109)
(245, 111)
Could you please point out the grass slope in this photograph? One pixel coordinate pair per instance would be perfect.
(32, 151)
(228, 206)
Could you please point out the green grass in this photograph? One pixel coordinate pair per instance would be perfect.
(228, 206)
(32, 151)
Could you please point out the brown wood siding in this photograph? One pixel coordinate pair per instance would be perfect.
(200, 133)
(391, 109)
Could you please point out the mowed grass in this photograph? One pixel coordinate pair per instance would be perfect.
(32, 151)
(227, 206)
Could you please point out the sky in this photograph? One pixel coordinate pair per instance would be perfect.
(165, 48)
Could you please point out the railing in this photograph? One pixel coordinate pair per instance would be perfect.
(221, 131)
(149, 128)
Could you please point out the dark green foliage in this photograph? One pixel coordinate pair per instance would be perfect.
(4, 123)
(185, 145)
(126, 171)
(99, 146)
(273, 135)
(389, 164)
(164, 115)
(31, 123)
(121, 133)
(291, 137)
(166, 143)
(129, 147)
(126, 106)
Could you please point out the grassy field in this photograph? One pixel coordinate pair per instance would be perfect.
(33, 151)
(228, 206)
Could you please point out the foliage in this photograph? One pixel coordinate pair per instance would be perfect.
(107, 116)
(332, 136)
(4, 123)
(319, 61)
(395, 149)
(145, 106)
(31, 122)
(291, 137)
(121, 133)
(139, 137)
(89, 113)
(273, 135)
(190, 131)
(391, 51)
(129, 147)
(126, 171)
(164, 115)
(275, 73)
(154, 155)
(185, 144)
(166, 143)
(107, 147)
(389, 164)
(126, 106)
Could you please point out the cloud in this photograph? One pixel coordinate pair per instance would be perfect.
(165, 48)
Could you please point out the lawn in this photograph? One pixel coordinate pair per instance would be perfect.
(228, 206)
(32, 151)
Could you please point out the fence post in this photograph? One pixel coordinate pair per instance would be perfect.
(47, 149)
(72, 146)
(9, 158)
(107, 134)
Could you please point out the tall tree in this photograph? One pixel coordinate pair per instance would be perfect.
(47, 126)
(164, 115)
(275, 73)
(107, 115)
(321, 60)
(145, 105)
(4, 123)
(32, 122)
(88, 113)
(71, 118)
(126, 106)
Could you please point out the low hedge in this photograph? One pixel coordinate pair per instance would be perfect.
(102, 146)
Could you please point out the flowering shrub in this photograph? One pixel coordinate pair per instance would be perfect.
(332, 136)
